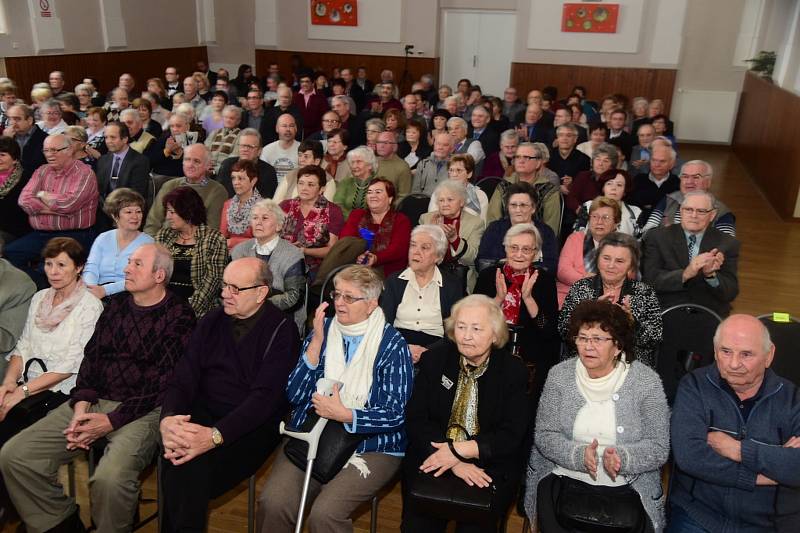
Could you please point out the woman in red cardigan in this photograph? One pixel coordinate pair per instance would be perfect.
(392, 229)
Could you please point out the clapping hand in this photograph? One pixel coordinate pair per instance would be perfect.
(590, 459)
(500, 286)
(611, 462)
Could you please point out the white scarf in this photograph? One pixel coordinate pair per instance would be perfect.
(601, 389)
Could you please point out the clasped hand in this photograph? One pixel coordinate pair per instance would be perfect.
(86, 428)
(443, 460)
(184, 440)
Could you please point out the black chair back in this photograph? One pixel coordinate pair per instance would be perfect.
(786, 338)
(688, 343)
(414, 206)
(488, 184)
(327, 287)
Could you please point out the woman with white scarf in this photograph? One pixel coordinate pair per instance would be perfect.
(360, 349)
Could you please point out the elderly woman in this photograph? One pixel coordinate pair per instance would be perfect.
(13, 220)
(396, 123)
(501, 163)
(285, 261)
(110, 251)
(83, 91)
(462, 228)
(235, 220)
(373, 127)
(335, 159)
(313, 223)
(199, 252)
(616, 188)
(60, 322)
(460, 168)
(438, 124)
(351, 192)
(617, 265)
(527, 296)
(577, 259)
(415, 147)
(360, 349)
(96, 132)
(457, 128)
(598, 134)
(417, 300)
(639, 116)
(77, 139)
(471, 431)
(51, 122)
(588, 184)
(602, 433)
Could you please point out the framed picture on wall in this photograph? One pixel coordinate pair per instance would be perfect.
(334, 12)
(590, 18)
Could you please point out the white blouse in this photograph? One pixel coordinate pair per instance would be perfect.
(62, 348)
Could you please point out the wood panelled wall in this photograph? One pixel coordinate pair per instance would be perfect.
(766, 141)
(106, 67)
(599, 81)
(417, 66)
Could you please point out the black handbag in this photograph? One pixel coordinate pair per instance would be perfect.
(336, 446)
(34, 407)
(448, 497)
(598, 509)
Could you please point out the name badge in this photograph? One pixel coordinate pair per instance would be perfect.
(446, 382)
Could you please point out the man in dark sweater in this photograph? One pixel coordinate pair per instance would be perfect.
(136, 342)
(227, 396)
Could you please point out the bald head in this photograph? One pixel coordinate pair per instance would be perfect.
(286, 127)
(195, 162)
(245, 285)
(743, 351)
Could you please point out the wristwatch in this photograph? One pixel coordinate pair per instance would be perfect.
(26, 391)
(216, 437)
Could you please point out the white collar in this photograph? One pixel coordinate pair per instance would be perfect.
(409, 276)
(268, 248)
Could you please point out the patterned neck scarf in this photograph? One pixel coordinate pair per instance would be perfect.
(513, 302)
(314, 231)
(463, 423)
(48, 317)
(9, 179)
(239, 212)
(333, 163)
(589, 251)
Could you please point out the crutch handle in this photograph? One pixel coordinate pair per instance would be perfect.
(310, 437)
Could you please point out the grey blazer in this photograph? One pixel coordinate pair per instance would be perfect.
(642, 418)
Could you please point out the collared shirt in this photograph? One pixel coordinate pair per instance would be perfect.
(307, 96)
(420, 308)
(268, 248)
(74, 193)
(657, 181)
(23, 138)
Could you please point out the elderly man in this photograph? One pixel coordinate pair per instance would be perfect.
(341, 106)
(118, 100)
(650, 188)
(501, 163)
(60, 200)
(195, 169)
(565, 160)
(410, 104)
(511, 103)
(166, 155)
(191, 91)
(457, 128)
(282, 154)
(385, 100)
(330, 122)
(483, 131)
(121, 166)
(249, 150)
(139, 140)
(283, 105)
(391, 167)
(312, 105)
(736, 439)
(220, 422)
(535, 127)
(56, 82)
(224, 142)
(138, 339)
(16, 290)
(640, 156)
(433, 169)
(693, 262)
(695, 175)
(30, 138)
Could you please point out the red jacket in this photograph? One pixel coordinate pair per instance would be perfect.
(312, 113)
(394, 257)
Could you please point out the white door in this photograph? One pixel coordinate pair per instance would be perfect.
(478, 45)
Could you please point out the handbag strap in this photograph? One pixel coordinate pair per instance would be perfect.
(28, 366)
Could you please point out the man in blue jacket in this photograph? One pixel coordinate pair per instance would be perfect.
(735, 428)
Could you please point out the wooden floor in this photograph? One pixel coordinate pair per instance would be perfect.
(767, 278)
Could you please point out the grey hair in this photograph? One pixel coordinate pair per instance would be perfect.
(709, 169)
(621, 240)
(456, 121)
(541, 150)
(509, 135)
(453, 186)
(180, 116)
(667, 146)
(162, 260)
(130, 113)
(523, 229)
(704, 194)
(766, 339)
(376, 122)
(426, 78)
(341, 98)
(235, 109)
(568, 126)
(251, 132)
(363, 277)
(67, 141)
(52, 104)
(436, 233)
(271, 206)
(366, 154)
(639, 100)
(83, 87)
(609, 150)
(496, 318)
(451, 98)
(76, 131)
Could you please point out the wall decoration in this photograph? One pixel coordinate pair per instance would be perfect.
(590, 18)
(334, 12)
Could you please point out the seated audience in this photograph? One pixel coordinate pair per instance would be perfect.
(211, 117)
(77, 139)
(693, 262)
(52, 122)
(735, 427)
(308, 153)
(472, 433)
(650, 188)
(438, 122)
(140, 140)
(121, 166)
(414, 148)
(395, 122)
(433, 169)
(13, 220)
(460, 168)
(16, 291)
(313, 223)
(285, 261)
(598, 134)
(616, 186)
(351, 192)
(117, 396)
(224, 142)
(335, 159)
(195, 169)
(578, 256)
(249, 149)
(565, 160)
(640, 156)
(588, 184)
(359, 348)
(617, 264)
(166, 154)
(95, 131)
(602, 432)
(198, 251)
(457, 128)
(282, 153)
(417, 300)
(462, 229)
(235, 219)
(639, 116)
(218, 423)
(501, 163)
(390, 166)
(104, 273)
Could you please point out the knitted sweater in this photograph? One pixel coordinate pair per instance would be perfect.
(642, 418)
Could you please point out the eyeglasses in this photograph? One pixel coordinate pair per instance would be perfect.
(249, 146)
(693, 210)
(527, 157)
(583, 340)
(693, 177)
(330, 121)
(527, 250)
(53, 150)
(519, 206)
(348, 299)
(600, 218)
(234, 290)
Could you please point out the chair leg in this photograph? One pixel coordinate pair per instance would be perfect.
(71, 478)
(373, 517)
(251, 504)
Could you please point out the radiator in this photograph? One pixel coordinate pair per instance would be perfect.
(705, 116)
